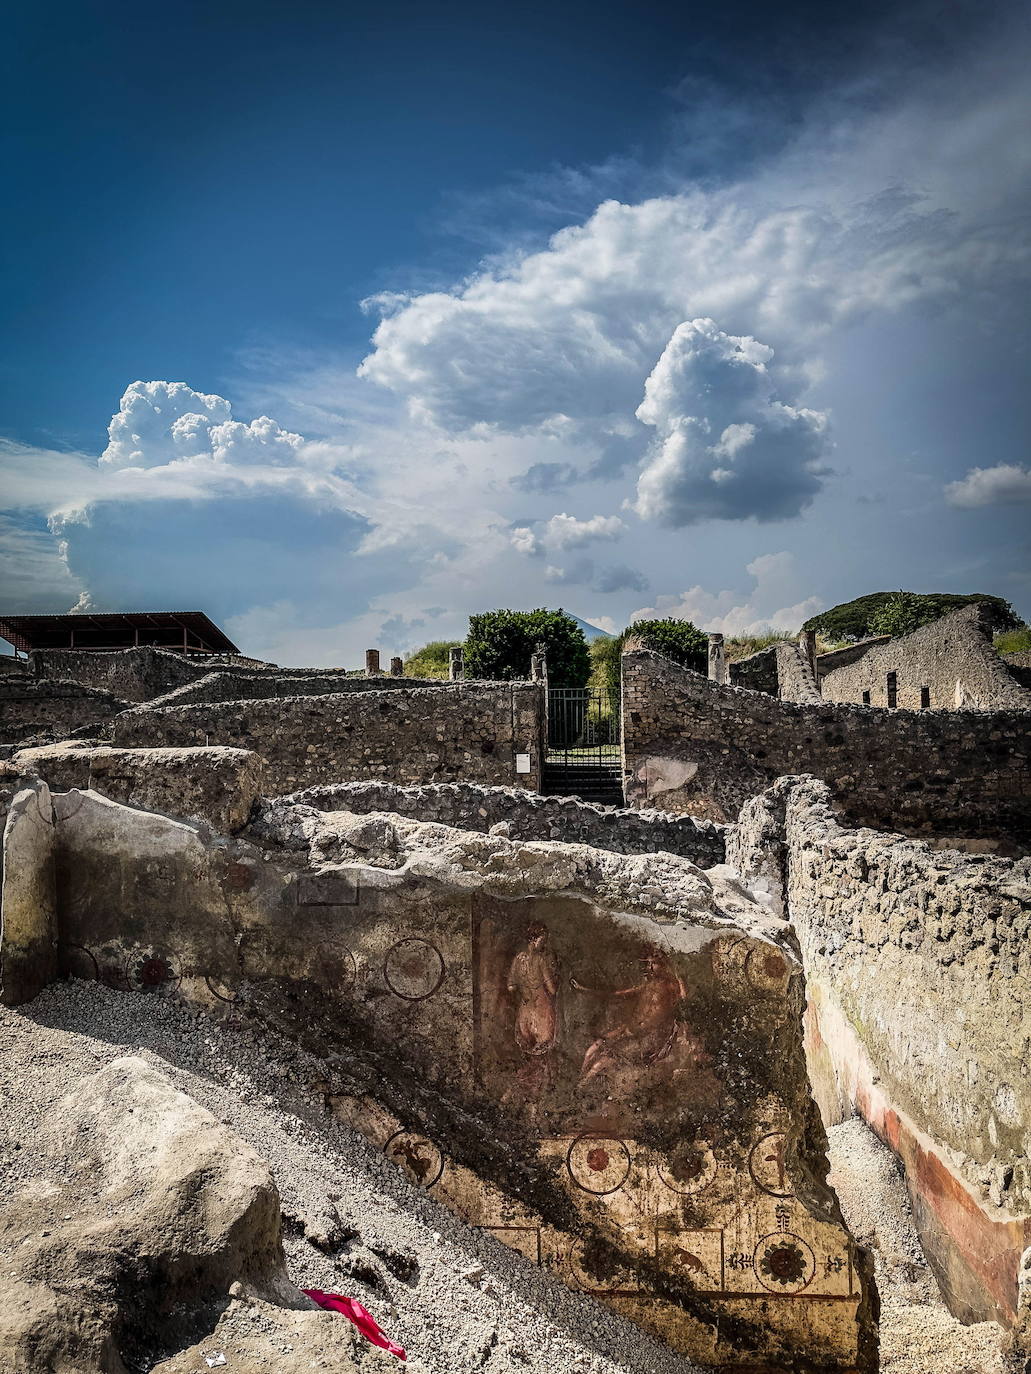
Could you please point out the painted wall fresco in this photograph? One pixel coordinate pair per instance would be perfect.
(621, 1100)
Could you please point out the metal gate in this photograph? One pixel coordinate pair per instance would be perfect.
(583, 727)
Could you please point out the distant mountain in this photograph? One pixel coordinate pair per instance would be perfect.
(590, 631)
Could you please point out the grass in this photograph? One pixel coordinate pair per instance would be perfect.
(1014, 641)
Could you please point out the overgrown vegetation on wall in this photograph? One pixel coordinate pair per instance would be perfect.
(858, 619)
(501, 643)
(432, 660)
(678, 640)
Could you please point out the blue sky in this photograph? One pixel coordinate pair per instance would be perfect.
(341, 324)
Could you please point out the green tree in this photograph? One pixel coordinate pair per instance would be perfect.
(677, 639)
(432, 660)
(903, 613)
(500, 644)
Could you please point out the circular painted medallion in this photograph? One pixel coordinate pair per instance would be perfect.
(417, 1156)
(598, 1164)
(784, 1263)
(689, 1169)
(413, 969)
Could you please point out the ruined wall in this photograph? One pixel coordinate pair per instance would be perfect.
(219, 786)
(952, 658)
(1019, 667)
(782, 670)
(850, 653)
(529, 816)
(131, 674)
(918, 964)
(757, 672)
(693, 746)
(29, 708)
(469, 730)
(597, 1058)
(232, 686)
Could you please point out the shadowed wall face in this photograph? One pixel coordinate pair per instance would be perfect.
(619, 1096)
(693, 746)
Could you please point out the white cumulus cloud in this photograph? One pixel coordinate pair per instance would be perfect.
(567, 532)
(1004, 484)
(775, 579)
(727, 447)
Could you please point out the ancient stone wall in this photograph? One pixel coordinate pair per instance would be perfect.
(529, 816)
(240, 686)
(850, 653)
(470, 730)
(219, 786)
(757, 672)
(693, 746)
(918, 964)
(595, 1057)
(1019, 666)
(29, 708)
(131, 674)
(947, 665)
(782, 670)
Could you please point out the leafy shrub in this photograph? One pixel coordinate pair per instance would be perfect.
(432, 660)
(500, 644)
(679, 640)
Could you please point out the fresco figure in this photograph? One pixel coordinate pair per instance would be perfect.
(533, 982)
(645, 1026)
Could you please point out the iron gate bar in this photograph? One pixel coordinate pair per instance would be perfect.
(583, 727)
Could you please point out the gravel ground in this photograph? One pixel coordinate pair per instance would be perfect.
(457, 1299)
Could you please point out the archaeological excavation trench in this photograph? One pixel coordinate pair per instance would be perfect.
(608, 1040)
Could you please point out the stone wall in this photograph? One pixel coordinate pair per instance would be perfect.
(1019, 666)
(29, 708)
(782, 670)
(240, 686)
(918, 964)
(218, 786)
(693, 746)
(529, 816)
(951, 661)
(595, 1057)
(470, 730)
(757, 672)
(131, 674)
(850, 653)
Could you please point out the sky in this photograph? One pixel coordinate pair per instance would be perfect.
(343, 322)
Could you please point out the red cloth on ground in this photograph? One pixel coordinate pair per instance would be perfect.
(358, 1316)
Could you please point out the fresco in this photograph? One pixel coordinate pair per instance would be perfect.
(618, 1098)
